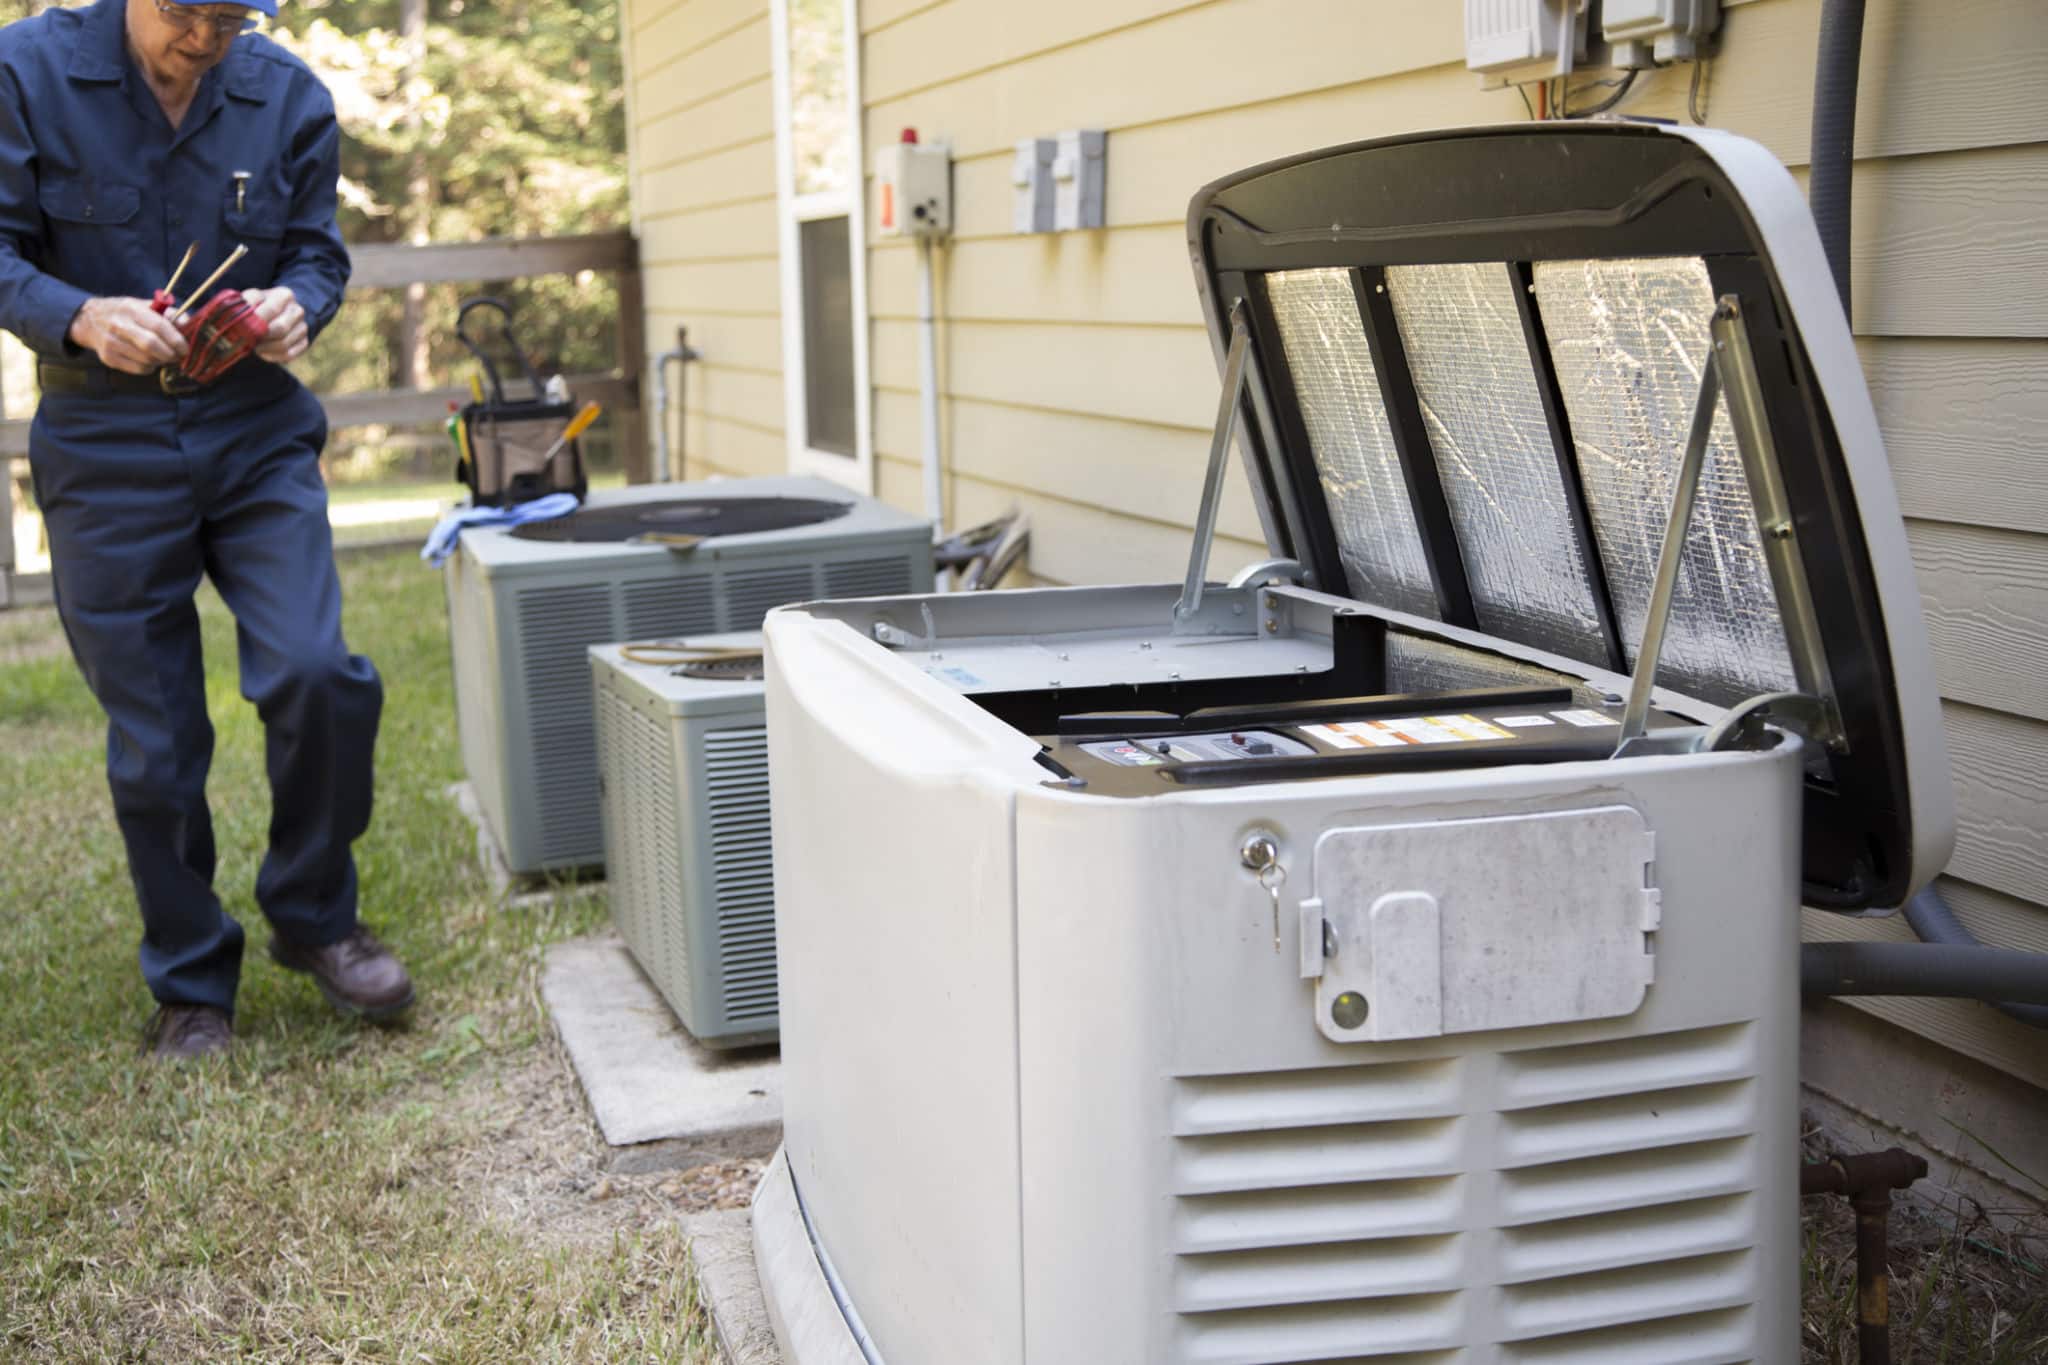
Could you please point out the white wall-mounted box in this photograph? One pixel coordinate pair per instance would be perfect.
(914, 188)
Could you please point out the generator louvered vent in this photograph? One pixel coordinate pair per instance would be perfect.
(736, 793)
(687, 517)
(1333, 1208)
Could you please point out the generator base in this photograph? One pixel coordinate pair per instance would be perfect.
(802, 1308)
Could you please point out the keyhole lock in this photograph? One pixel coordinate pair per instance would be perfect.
(1261, 855)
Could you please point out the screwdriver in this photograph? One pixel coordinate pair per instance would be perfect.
(578, 424)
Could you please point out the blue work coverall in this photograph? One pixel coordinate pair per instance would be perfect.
(143, 492)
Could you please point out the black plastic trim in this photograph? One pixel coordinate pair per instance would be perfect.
(1316, 546)
(1559, 422)
(1412, 446)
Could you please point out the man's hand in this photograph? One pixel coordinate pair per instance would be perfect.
(279, 308)
(126, 334)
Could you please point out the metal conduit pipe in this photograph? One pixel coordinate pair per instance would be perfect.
(1935, 921)
(1832, 154)
(1993, 975)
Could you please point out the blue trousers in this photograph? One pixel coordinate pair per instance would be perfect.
(141, 495)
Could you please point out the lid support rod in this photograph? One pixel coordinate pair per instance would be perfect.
(1635, 719)
(1748, 415)
(1235, 366)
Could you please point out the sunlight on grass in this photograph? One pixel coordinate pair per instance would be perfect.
(297, 1200)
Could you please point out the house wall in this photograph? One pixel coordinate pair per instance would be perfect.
(1078, 383)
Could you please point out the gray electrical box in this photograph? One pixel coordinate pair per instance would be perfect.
(1032, 176)
(1653, 32)
(1078, 180)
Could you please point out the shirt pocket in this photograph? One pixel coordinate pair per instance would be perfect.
(90, 233)
(78, 202)
(255, 218)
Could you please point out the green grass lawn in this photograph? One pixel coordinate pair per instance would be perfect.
(332, 1191)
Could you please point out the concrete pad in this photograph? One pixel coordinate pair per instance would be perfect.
(722, 1253)
(663, 1100)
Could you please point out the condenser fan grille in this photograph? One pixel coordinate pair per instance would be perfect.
(694, 518)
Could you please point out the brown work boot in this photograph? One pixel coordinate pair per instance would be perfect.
(176, 1032)
(358, 975)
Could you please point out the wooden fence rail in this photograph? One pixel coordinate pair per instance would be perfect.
(492, 261)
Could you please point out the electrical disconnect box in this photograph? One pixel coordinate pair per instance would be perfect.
(1510, 42)
(1653, 32)
(914, 184)
(1078, 180)
(1032, 176)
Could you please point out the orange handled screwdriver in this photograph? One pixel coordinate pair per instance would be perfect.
(578, 424)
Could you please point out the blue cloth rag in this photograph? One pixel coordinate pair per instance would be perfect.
(441, 540)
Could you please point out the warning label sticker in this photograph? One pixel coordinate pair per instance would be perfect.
(1523, 722)
(1585, 719)
(1399, 730)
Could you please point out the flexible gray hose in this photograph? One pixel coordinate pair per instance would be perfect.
(1979, 973)
(1935, 922)
(1834, 132)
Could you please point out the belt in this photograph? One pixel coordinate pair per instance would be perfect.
(99, 382)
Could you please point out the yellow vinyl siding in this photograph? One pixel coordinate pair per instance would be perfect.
(703, 143)
(1078, 384)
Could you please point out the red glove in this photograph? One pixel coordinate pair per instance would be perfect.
(220, 336)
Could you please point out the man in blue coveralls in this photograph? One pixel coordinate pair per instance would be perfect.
(129, 130)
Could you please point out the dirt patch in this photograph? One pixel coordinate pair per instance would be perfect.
(534, 1159)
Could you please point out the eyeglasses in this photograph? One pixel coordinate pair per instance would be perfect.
(187, 17)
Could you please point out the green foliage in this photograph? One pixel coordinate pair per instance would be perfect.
(497, 120)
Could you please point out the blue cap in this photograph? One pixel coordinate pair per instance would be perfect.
(264, 7)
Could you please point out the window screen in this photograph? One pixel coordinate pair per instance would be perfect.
(1628, 338)
(828, 334)
(1346, 418)
(1477, 385)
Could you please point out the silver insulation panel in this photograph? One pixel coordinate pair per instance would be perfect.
(1470, 359)
(1353, 445)
(1628, 338)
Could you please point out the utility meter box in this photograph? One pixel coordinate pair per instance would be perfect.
(914, 188)
(1391, 954)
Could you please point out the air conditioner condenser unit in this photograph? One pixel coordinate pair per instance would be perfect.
(658, 560)
(1391, 954)
(683, 764)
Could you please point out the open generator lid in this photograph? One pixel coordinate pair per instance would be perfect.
(1473, 362)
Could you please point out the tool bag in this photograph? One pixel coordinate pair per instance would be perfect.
(505, 442)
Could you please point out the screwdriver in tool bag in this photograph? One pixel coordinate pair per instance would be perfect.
(578, 424)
